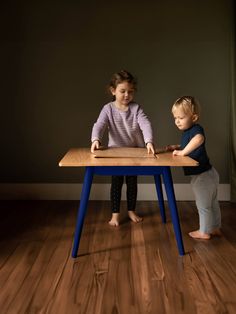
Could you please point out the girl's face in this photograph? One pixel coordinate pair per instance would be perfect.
(124, 93)
(184, 120)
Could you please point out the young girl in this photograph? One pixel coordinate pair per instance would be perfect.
(204, 177)
(127, 126)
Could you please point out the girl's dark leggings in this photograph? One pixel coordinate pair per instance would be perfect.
(116, 187)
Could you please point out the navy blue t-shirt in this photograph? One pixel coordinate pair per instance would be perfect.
(199, 154)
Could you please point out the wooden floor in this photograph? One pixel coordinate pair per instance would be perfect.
(134, 268)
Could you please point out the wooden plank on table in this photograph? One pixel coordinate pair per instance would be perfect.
(123, 152)
(82, 157)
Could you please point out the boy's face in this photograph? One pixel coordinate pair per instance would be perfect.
(124, 93)
(184, 120)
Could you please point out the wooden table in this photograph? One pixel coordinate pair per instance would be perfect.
(119, 164)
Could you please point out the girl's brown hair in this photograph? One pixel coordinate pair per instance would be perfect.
(122, 76)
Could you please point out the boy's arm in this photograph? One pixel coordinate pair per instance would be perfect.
(195, 142)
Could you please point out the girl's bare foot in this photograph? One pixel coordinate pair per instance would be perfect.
(216, 232)
(114, 220)
(134, 217)
(197, 234)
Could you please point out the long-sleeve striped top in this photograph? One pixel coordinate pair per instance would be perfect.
(130, 128)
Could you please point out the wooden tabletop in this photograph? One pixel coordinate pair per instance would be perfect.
(81, 157)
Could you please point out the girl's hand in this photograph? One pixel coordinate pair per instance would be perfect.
(150, 148)
(95, 145)
(178, 153)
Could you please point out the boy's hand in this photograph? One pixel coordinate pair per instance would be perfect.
(150, 148)
(178, 153)
(95, 145)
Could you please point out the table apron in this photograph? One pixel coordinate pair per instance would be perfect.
(128, 170)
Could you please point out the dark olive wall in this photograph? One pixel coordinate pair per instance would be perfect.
(58, 56)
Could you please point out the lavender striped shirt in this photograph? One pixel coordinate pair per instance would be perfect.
(130, 128)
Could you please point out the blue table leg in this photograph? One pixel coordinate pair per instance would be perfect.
(88, 178)
(157, 179)
(173, 208)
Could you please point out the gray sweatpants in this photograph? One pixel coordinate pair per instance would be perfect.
(205, 186)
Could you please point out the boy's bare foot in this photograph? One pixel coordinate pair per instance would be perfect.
(114, 222)
(199, 235)
(216, 232)
(134, 217)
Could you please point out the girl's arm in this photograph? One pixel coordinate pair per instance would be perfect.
(95, 145)
(150, 148)
(145, 126)
(195, 142)
(98, 129)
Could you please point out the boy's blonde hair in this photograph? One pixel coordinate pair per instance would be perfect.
(189, 105)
